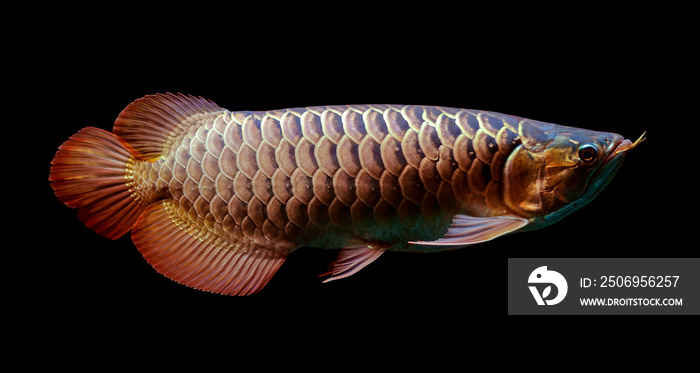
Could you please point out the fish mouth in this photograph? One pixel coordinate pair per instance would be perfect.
(602, 176)
(621, 146)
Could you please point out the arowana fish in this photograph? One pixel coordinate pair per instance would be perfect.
(216, 200)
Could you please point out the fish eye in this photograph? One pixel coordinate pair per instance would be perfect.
(588, 153)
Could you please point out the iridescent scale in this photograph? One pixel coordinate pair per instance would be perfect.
(318, 176)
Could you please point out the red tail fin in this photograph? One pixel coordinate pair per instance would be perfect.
(89, 173)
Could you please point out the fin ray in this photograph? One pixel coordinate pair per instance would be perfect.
(88, 173)
(148, 123)
(468, 230)
(183, 257)
(350, 260)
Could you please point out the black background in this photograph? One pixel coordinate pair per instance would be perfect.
(611, 72)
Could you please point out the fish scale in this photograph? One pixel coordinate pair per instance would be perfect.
(216, 199)
(317, 176)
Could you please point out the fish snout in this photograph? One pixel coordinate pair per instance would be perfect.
(623, 145)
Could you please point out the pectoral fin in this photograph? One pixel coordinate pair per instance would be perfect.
(468, 230)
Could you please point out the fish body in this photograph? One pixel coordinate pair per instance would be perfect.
(216, 199)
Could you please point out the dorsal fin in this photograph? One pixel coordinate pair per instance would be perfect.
(148, 125)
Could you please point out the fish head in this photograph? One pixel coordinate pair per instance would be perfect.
(558, 169)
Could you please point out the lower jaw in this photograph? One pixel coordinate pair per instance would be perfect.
(597, 182)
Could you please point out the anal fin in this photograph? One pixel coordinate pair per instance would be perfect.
(468, 230)
(352, 259)
(175, 252)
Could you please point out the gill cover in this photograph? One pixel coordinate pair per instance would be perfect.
(524, 168)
